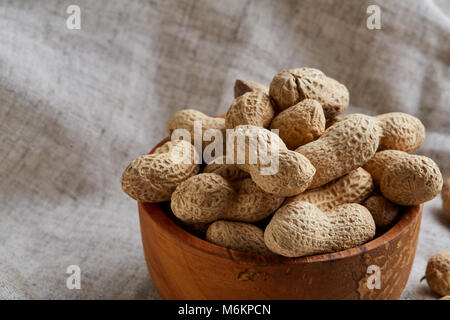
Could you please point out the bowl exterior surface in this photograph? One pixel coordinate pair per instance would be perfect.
(183, 266)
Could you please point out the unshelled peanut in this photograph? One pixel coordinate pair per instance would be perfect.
(153, 177)
(241, 87)
(380, 161)
(401, 131)
(301, 229)
(300, 124)
(404, 178)
(184, 119)
(354, 187)
(252, 108)
(292, 86)
(345, 146)
(208, 197)
(239, 236)
(438, 273)
(283, 173)
(384, 212)
(231, 172)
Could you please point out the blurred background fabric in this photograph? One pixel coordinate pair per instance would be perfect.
(76, 106)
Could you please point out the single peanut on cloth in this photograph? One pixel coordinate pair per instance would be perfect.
(153, 177)
(300, 124)
(301, 229)
(438, 273)
(208, 197)
(292, 86)
(345, 146)
(239, 236)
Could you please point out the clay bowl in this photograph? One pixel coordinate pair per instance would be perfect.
(184, 266)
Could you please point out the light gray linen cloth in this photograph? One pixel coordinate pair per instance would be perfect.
(77, 105)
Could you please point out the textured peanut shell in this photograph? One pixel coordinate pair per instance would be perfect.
(208, 197)
(380, 161)
(241, 87)
(252, 108)
(354, 187)
(301, 229)
(237, 236)
(294, 172)
(438, 273)
(411, 180)
(184, 119)
(229, 171)
(345, 146)
(292, 86)
(153, 177)
(383, 211)
(401, 131)
(294, 175)
(203, 198)
(251, 203)
(252, 136)
(446, 197)
(300, 124)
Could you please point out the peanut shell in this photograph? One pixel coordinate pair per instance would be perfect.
(301, 229)
(345, 146)
(438, 273)
(384, 212)
(184, 119)
(239, 236)
(153, 177)
(292, 173)
(241, 87)
(292, 86)
(300, 124)
(252, 108)
(354, 187)
(208, 197)
(401, 131)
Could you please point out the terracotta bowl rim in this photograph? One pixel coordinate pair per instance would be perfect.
(168, 225)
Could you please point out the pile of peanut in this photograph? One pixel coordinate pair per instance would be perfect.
(339, 179)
